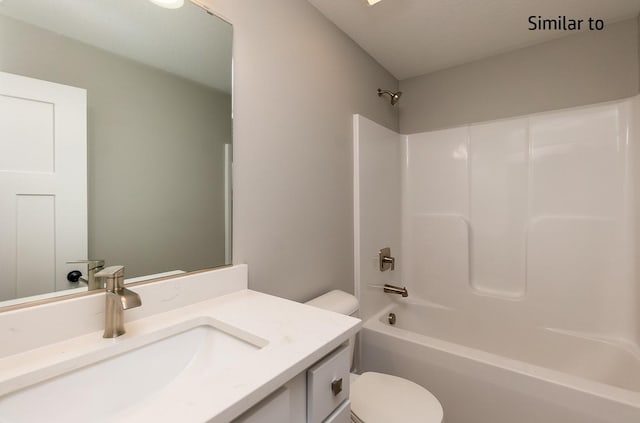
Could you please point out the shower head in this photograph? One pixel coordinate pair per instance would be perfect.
(395, 97)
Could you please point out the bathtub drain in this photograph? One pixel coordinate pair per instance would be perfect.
(391, 318)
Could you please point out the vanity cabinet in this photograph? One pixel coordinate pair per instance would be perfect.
(341, 415)
(225, 353)
(328, 385)
(273, 409)
(320, 394)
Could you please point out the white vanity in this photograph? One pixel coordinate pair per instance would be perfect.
(201, 348)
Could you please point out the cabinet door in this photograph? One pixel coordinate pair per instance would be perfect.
(273, 409)
(328, 385)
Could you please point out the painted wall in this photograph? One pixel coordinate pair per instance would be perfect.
(580, 69)
(161, 187)
(298, 81)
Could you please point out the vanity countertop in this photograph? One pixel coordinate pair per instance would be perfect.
(291, 337)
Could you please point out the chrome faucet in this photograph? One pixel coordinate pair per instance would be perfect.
(118, 300)
(392, 289)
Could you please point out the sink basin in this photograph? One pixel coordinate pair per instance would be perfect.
(134, 372)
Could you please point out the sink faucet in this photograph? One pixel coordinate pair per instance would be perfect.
(118, 300)
(93, 267)
(392, 289)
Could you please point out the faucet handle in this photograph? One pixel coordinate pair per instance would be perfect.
(92, 264)
(114, 276)
(385, 261)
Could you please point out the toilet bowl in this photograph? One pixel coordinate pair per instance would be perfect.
(378, 397)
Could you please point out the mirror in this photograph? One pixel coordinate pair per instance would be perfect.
(115, 141)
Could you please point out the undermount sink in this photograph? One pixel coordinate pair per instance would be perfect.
(130, 373)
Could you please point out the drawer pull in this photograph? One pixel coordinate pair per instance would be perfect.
(336, 386)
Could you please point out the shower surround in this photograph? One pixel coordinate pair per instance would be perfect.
(518, 227)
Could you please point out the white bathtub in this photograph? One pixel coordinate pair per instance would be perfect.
(486, 371)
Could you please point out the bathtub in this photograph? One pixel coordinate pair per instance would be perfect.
(486, 371)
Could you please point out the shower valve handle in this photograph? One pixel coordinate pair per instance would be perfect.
(389, 260)
(386, 261)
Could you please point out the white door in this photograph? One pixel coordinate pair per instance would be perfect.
(43, 184)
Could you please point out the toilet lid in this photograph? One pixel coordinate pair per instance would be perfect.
(381, 398)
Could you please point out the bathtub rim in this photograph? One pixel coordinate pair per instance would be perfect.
(543, 374)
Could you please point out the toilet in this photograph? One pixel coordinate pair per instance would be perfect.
(378, 397)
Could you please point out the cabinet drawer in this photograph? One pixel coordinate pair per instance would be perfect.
(328, 384)
(341, 415)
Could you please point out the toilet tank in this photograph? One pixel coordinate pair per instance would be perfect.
(338, 302)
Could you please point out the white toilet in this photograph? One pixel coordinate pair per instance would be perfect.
(378, 397)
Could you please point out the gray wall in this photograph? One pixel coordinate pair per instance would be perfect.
(156, 199)
(298, 80)
(580, 69)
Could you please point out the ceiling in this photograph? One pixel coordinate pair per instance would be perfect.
(187, 42)
(415, 37)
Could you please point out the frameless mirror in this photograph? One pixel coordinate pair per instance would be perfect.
(115, 141)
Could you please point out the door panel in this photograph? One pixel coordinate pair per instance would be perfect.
(43, 184)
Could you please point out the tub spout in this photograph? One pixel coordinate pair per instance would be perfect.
(391, 289)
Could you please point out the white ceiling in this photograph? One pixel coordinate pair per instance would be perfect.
(415, 37)
(186, 41)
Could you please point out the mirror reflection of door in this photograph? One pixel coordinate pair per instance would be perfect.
(158, 132)
(43, 188)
